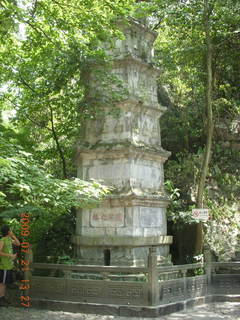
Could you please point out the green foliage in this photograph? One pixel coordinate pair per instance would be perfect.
(46, 66)
(180, 53)
(47, 49)
(181, 175)
(222, 230)
(24, 182)
(25, 186)
(55, 239)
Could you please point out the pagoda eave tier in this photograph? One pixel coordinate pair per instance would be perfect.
(130, 59)
(134, 197)
(135, 104)
(117, 150)
(126, 241)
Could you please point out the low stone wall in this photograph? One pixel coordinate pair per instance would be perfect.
(130, 311)
(108, 290)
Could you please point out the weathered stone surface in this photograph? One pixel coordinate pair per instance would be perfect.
(107, 217)
(125, 152)
(97, 240)
(152, 217)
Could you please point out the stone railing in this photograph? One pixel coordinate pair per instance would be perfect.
(225, 278)
(151, 285)
(148, 287)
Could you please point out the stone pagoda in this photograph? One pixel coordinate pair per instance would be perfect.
(125, 152)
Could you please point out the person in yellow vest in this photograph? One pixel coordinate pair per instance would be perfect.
(6, 261)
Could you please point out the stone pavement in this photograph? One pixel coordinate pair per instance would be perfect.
(213, 311)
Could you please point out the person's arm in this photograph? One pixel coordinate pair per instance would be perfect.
(3, 254)
(16, 242)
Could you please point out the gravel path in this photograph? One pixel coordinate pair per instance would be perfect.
(214, 311)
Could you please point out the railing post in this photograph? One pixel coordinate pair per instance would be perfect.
(153, 277)
(28, 257)
(184, 275)
(208, 268)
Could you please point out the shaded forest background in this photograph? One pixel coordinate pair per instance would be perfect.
(46, 51)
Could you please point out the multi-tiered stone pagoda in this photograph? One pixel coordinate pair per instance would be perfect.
(125, 152)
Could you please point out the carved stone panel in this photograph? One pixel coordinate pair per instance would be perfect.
(107, 292)
(81, 290)
(97, 291)
(226, 284)
(196, 286)
(141, 174)
(171, 291)
(121, 292)
(107, 217)
(181, 289)
(48, 287)
(151, 217)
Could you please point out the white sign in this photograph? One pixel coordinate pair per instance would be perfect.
(200, 214)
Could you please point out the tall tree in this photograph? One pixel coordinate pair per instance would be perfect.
(43, 67)
(46, 49)
(208, 9)
(196, 39)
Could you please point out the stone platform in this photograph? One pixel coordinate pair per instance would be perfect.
(210, 311)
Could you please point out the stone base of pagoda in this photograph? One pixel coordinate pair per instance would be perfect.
(120, 251)
(121, 231)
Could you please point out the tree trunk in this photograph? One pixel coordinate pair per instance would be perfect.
(59, 149)
(207, 152)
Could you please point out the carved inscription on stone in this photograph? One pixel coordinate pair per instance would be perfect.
(229, 284)
(196, 287)
(124, 293)
(107, 217)
(49, 286)
(85, 292)
(151, 217)
(172, 291)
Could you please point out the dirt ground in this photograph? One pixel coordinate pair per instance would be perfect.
(214, 311)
